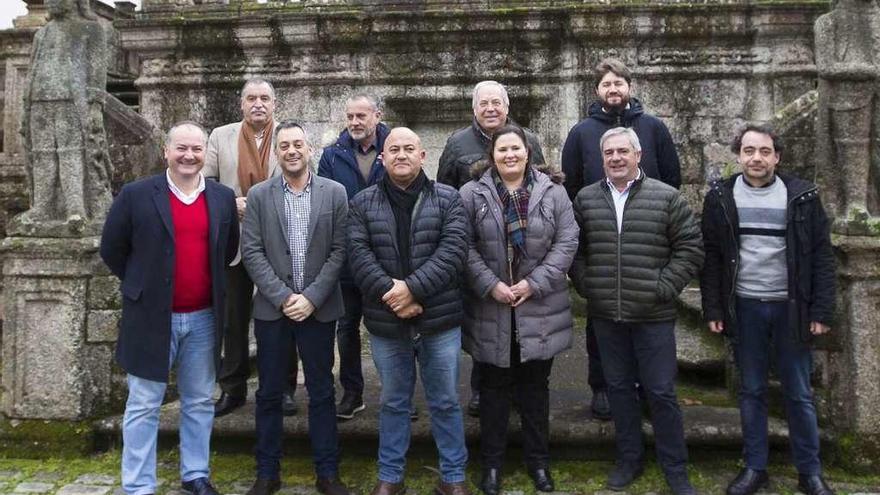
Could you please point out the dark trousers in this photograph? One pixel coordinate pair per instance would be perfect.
(530, 381)
(643, 351)
(348, 340)
(595, 376)
(314, 340)
(763, 325)
(235, 367)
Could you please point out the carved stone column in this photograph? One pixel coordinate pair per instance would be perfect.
(58, 328)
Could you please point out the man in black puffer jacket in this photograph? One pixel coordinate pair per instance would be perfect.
(582, 164)
(639, 246)
(408, 242)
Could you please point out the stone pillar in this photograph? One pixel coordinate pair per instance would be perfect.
(56, 353)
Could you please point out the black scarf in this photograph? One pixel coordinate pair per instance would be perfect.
(403, 201)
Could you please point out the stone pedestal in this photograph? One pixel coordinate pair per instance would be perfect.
(59, 327)
(854, 373)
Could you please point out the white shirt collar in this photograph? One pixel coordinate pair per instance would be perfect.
(183, 197)
(628, 184)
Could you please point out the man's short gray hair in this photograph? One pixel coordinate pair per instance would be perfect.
(374, 102)
(255, 81)
(186, 123)
(618, 131)
(483, 84)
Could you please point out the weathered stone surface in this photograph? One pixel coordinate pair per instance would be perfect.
(104, 293)
(33, 487)
(102, 325)
(96, 479)
(77, 489)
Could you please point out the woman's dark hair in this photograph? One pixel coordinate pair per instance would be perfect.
(488, 160)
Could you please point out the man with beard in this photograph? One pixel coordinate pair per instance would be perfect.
(239, 156)
(293, 246)
(468, 145)
(355, 162)
(582, 165)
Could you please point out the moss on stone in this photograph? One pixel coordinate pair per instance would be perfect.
(33, 438)
(858, 453)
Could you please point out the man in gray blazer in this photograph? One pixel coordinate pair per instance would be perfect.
(239, 156)
(293, 246)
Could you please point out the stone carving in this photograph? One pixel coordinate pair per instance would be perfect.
(848, 127)
(63, 125)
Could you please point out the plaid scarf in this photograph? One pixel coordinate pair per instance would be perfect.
(516, 212)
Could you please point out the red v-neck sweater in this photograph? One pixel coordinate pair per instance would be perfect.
(192, 267)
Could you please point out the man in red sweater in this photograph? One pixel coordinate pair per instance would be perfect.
(169, 238)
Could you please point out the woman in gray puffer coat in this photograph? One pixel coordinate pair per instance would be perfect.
(517, 310)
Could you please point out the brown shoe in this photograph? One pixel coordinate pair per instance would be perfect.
(444, 488)
(386, 488)
(331, 486)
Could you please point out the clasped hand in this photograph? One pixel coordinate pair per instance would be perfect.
(514, 295)
(297, 307)
(401, 301)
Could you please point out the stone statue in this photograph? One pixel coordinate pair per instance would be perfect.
(848, 128)
(63, 124)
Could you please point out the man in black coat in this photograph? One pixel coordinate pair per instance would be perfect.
(582, 164)
(407, 238)
(768, 283)
(169, 239)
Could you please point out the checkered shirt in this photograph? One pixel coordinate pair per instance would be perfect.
(297, 208)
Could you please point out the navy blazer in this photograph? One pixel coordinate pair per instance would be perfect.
(138, 245)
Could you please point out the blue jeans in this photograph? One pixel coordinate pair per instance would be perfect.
(348, 339)
(314, 340)
(192, 349)
(763, 325)
(437, 357)
(643, 352)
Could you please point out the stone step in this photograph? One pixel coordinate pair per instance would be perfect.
(570, 421)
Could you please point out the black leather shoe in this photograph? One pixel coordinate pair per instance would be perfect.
(681, 485)
(623, 474)
(264, 487)
(350, 405)
(747, 482)
(490, 484)
(198, 486)
(226, 404)
(288, 405)
(599, 406)
(542, 479)
(473, 407)
(331, 486)
(814, 485)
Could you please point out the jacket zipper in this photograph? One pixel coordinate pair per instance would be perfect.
(619, 235)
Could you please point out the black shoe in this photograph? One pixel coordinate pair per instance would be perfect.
(414, 414)
(490, 484)
(264, 487)
(599, 406)
(350, 405)
(331, 486)
(681, 485)
(542, 479)
(198, 486)
(288, 404)
(623, 474)
(747, 482)
(473, 407)
(226, 404)
(814, 485)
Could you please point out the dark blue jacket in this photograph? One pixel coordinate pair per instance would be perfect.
(137, 244)
(339, 162)
(582, 158)
(438, 249)
(808, 253)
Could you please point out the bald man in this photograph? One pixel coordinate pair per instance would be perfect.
(408, 241)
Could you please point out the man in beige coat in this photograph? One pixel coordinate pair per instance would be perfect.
(239, 156)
